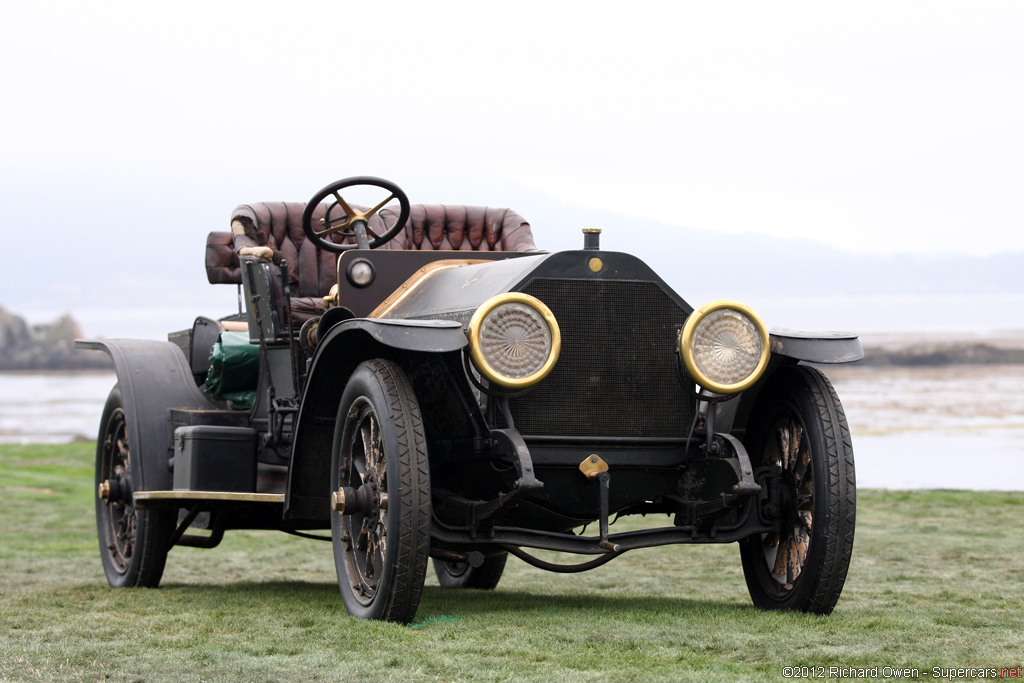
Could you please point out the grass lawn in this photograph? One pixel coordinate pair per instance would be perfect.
(937, 580)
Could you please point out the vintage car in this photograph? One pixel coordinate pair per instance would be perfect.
(426, 384)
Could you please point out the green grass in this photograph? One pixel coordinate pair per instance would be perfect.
(937, 580)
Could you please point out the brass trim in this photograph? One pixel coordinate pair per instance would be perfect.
(474, 340)
(351, 216)
(332, 296)
(593, 465)
(596, 265)
(211, 495)
(591, 231)
(415, 280)
(338, 501)
(686, 344)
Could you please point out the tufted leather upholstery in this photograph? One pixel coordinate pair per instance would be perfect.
(313, 271)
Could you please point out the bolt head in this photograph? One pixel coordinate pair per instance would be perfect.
(338, 501)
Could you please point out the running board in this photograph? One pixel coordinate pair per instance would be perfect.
(145, 500)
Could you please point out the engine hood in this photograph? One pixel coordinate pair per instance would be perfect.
(453, 291)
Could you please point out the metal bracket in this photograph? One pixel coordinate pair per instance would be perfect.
(740, 464)
(509, 443)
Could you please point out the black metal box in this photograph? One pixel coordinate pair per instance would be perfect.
(210, 458)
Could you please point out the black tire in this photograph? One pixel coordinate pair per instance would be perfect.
(381, 552)
(799, 425)
(462, 575)
(133, 543)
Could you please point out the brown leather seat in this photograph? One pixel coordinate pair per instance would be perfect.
(312, 271)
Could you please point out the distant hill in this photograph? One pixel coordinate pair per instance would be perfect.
(44, 347)
(691, 258)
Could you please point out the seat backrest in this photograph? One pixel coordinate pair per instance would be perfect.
(279, 226)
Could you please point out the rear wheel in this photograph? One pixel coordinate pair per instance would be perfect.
(379, 473)
(133, 543)
(799, 428)
(463, 575)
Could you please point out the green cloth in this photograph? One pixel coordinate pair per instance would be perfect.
(234, 370)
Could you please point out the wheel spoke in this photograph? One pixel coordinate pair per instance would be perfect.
(783, 435)
(368, 564)
(782, 553)
(795, 441)
(375, 454)
(801, 544)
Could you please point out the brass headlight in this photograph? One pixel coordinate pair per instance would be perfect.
(514, 340)
(724, 346)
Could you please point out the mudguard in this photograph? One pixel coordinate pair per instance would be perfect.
(154, 377)
(346, 345)
(431, 336)
(817, 347)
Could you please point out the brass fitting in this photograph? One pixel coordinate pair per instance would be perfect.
(338, 501)
(593, 465)
(332, 297)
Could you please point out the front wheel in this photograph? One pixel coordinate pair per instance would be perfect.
(380, 525)
(799, 430)
(133, 543)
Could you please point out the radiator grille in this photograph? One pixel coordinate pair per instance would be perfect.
(616, 375)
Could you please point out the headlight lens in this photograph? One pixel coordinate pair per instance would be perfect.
(724, 346)
(514, 340)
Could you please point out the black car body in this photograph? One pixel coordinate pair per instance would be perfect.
(462, 405)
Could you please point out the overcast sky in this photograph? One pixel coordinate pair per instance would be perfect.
(872, 126)
(130, 130)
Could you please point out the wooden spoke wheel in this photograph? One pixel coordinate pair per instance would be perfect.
(133, 543)
(799, 430)
(381, 534)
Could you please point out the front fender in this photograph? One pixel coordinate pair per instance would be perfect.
(787, 349)
(346, 345)
(431, 336)
(817, 347)
(154, 378)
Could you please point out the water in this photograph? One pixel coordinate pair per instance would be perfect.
(52, 407)
(936, 427)
(952, 427)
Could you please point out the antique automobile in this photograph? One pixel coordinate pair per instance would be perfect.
(426, 384)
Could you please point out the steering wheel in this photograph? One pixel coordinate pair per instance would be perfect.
(342, 218)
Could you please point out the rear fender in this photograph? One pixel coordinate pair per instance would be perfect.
(154, 377)
(426, 349)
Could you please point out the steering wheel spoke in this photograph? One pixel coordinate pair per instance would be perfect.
(334, 228)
